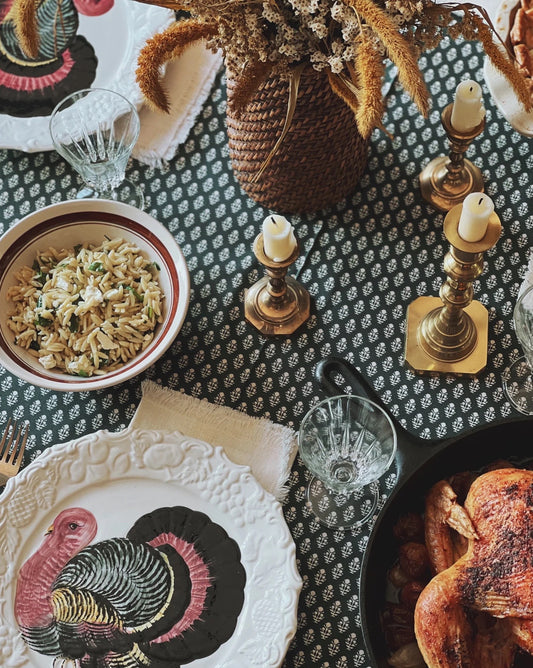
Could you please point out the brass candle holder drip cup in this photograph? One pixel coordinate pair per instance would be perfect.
(449, 333)
(447, 180)
(276, 304)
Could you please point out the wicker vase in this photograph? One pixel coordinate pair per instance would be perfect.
(320, 160)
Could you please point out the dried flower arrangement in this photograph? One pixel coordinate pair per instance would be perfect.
(350, 39)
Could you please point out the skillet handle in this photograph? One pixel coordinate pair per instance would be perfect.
(324, 373)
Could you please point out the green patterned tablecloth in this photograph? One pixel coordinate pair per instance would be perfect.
(363, 261)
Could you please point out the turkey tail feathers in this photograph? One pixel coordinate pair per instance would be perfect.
(169, 593)
(217, 581)
(43, 639)
(133, 579)
(115, 592)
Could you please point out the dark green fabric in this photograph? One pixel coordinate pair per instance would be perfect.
(363, 261)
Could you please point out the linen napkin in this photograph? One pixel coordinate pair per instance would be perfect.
(188, 81)
(267, 448)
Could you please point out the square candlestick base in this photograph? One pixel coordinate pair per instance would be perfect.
(421, 362)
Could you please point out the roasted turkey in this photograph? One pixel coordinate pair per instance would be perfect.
(166, 594)
(479, 609)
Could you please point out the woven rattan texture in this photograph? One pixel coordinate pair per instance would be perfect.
(321, 158)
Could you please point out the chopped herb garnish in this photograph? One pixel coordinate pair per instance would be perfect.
(34, 345)
(152, 265)
(83, 374)
(74, 323)
(43, 322)
(41, 275)
(134, 292)
(77, 248)
(96, 266)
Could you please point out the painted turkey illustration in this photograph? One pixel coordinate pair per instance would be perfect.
(168, 593)
(65, 61)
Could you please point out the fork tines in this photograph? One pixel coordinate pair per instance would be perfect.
(12, 446)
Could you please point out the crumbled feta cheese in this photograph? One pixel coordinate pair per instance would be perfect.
(63, 284)
(92, 294)
(48, 361)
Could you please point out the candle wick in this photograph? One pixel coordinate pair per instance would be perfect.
(480, 201)
(274, 220)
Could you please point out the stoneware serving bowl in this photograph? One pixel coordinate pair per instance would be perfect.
(64, 225)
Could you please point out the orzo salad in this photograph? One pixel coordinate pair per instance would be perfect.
(86, 310)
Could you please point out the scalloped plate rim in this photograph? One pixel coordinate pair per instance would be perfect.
(89, 451)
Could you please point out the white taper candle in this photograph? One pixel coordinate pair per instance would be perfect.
(279, 241)
(474, 219)
(468, 110)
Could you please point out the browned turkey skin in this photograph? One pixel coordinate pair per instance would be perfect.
(521, 39)
(477, 610)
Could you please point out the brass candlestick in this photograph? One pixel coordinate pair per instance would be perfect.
(447, 180)
(449, 333)
(276, 303)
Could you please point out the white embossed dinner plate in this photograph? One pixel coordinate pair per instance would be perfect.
(500, 89)
(121, 476)
(117, 37)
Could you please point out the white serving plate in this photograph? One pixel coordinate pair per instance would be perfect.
(121, 476)
(117, 38)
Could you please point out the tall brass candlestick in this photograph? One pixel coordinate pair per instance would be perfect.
(449, 333)
(447, 180)
(276, 303)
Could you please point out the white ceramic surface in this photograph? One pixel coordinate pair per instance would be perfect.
(121, 476)
(117, 37)
(77, 221)
(502, 93)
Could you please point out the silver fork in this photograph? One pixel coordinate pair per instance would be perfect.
(12, 448)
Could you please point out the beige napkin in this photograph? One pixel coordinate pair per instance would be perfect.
(188, 81)
(267, 448)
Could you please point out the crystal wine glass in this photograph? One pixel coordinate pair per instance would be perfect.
(95, 130)
(518, 378)
(347, 442)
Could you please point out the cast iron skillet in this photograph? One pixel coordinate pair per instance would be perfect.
(420, 463)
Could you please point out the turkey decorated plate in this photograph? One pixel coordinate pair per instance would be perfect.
(82, 44)
(143, 548)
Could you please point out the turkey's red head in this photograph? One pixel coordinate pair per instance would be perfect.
(73, 529)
